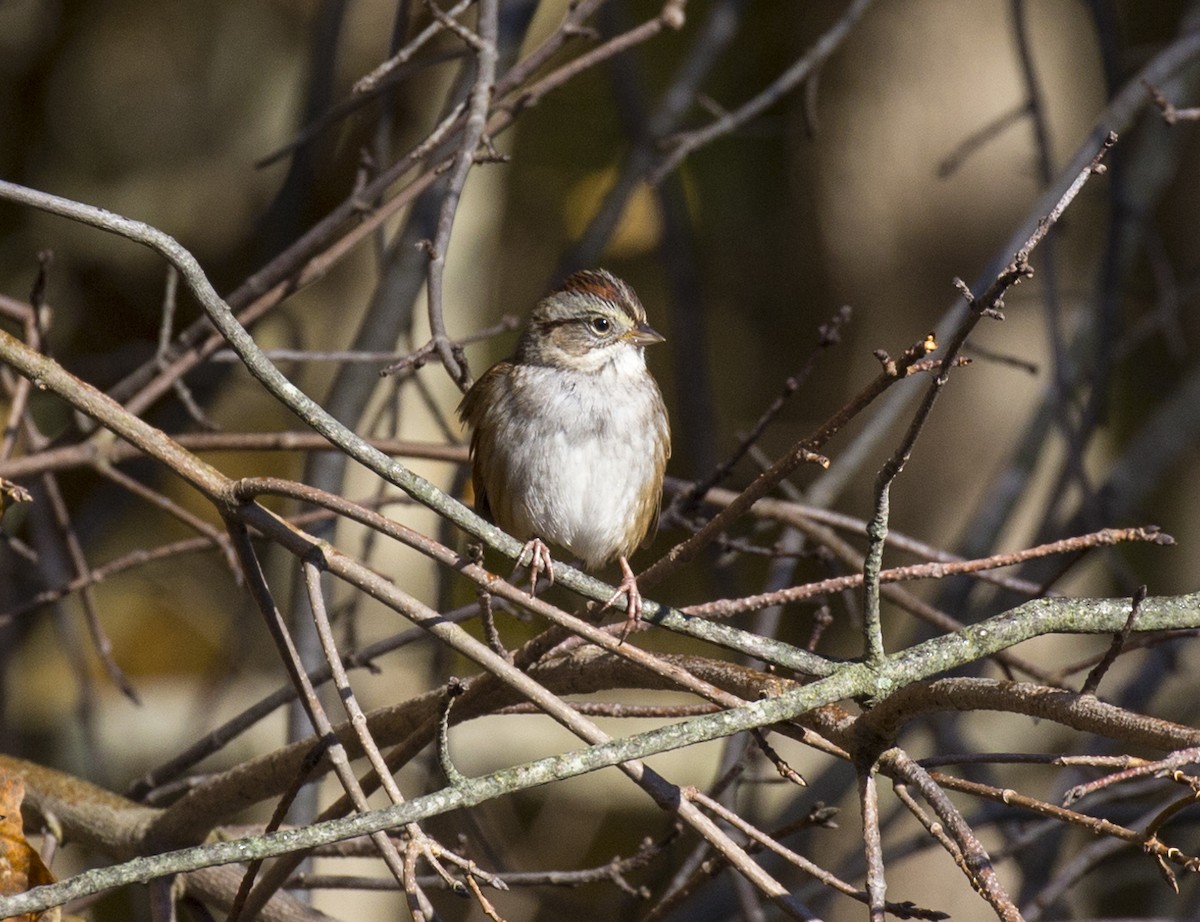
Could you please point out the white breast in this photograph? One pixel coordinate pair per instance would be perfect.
(576, 471)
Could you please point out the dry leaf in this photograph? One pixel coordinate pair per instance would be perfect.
(20, 865)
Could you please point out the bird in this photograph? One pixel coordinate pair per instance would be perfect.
(570, 435)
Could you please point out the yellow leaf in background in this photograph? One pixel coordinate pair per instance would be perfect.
(639, 228)
(20, 865)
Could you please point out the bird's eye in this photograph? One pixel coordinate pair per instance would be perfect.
(600, 325)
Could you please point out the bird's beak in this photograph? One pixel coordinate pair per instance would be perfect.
(644, 335)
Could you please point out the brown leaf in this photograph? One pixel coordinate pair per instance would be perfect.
(20, 865)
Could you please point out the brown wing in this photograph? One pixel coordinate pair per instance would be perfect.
(662, 451)
(473, 411)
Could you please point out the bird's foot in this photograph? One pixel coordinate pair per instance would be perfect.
(539, 560)
(633, 599)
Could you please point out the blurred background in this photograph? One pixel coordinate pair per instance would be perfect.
(913, 155)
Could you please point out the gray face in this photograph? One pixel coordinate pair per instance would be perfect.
(593, 315)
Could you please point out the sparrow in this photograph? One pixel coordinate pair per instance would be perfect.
(570, 436)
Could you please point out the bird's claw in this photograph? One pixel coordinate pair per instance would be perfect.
(539, 560)
(633, 599)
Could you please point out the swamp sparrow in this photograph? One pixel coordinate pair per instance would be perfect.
(570, 434)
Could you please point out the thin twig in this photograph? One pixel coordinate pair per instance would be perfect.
(724, 608)
(322, 728)
(801, 452)
(1095, 825)
(1170, 114)
(371, 81)
(829, 335)
(805, 68)
(975, 860)
(1092, 682)
(980, 138)
(418, 357)
(163, 352)
(91, 615)
(772, 842)
(358, 720)
(868, 798)
(478, 103)
(987, 304)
